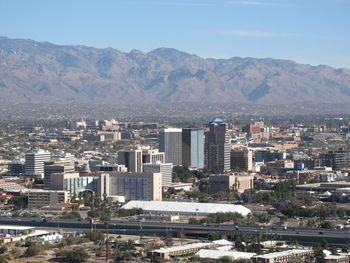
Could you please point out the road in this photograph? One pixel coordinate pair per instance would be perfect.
(302, 235)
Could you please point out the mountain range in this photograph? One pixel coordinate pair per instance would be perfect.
(42, 72)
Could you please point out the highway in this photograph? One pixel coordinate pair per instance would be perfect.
(302, 235)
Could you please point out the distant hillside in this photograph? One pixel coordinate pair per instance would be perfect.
(43, 72)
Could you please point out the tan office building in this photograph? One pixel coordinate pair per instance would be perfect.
(136, 186)
(230, 182)
(39, 198)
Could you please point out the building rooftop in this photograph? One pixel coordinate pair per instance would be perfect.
(217, 120)
(187, 207)
(216, 254)
(285, 253)
(184, 247)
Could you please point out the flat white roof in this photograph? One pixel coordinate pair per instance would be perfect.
(187, 207)
(184, 247)
(285, 253)
(216, 254)
(341, 256)
(172, 130)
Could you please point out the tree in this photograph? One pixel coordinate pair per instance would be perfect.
(33, 251)
(334, 250)
(3, 249)
(71, 215)
(74, 256)
(19, 202)
(346, 248)
(318, 252)
(94, 235)
(327, 224)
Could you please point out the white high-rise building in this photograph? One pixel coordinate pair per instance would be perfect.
(170, 142)
(34, 163)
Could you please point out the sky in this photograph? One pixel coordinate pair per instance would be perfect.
(306, 31)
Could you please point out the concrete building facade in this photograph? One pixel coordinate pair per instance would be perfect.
(56, 167)
(166, 169)
(230, 182)
(136, 186)
(242, 159)
(217, 147)
(193, 148)
(34, 163)
(170, 142)
(39, 198)
(153, 156)
(132, 159)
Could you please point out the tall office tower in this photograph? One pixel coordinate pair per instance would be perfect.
(193, 148)
(170, 142)
(132, 159)
(34, 163)
(242, 159)
(136, 186)
(152, 156)
(166, 169)
(217, 147)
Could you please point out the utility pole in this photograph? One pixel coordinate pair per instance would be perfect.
(107, 242)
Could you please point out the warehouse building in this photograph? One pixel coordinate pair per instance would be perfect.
(186, 208)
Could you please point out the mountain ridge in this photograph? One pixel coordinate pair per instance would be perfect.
(34, 72)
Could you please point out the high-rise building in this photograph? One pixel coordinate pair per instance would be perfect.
(193, 148)
(166, 169)
(242, 159)
(136, 186)
(217, 147)
(34, 163)
(132, 159)
(170, 142)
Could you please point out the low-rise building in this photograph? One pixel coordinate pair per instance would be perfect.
(284, 256)
(320, 188)
(230, 182)
(39, 198)
(217, 254)
(168, 252)
(341, 258)
(186, 208)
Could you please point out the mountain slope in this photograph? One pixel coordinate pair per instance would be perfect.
(43, 72)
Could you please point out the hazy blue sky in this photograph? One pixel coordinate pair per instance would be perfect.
(307, 31)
